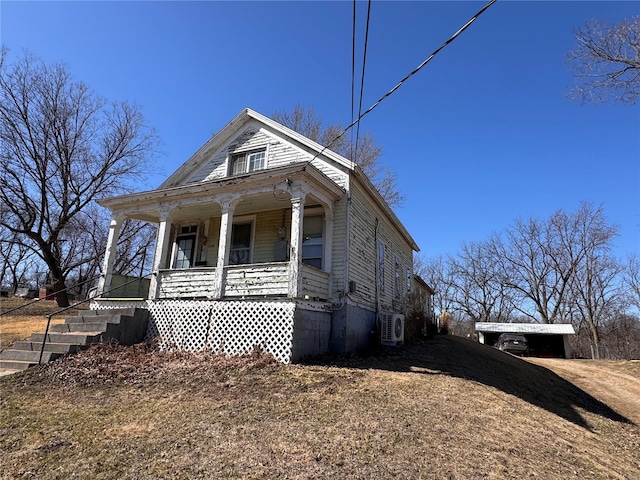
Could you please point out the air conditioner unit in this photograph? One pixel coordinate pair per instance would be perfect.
(391, 328)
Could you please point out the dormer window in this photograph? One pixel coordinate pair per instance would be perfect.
(247, 162)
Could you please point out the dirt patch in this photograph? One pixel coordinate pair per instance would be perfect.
(604, 380)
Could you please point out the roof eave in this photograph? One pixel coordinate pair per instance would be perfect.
(373, 191)
(236, 183)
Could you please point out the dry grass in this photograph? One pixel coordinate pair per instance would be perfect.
(20, 324)
(439, 408)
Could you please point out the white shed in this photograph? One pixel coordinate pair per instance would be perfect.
(545, 339)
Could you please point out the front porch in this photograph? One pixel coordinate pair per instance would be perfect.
(273, 238)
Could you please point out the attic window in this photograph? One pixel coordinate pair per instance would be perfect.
(247, 162)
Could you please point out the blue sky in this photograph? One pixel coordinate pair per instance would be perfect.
(481, 136)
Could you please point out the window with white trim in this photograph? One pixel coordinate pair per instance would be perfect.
(247, 162)
(312, 243)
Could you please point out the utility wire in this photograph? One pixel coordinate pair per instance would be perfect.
(353, 69)
(416, 70)
(364, 64)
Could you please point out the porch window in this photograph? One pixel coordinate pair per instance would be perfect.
(312, 243)
(247, 162)
(186, 247)
(240, 244)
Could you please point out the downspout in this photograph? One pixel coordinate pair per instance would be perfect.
(377, 279)
(348, 245)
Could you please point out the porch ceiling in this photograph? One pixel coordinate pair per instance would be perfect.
(248, 205)
(256, 203)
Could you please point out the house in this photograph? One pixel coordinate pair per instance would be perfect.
(265, 238)
(545, 339)
(424, 318)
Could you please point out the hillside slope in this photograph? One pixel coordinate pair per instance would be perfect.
(439, 408)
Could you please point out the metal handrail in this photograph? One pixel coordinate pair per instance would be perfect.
(50, 295)
(46, 332)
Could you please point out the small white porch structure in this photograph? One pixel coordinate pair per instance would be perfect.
(297, 186)
(214, 303)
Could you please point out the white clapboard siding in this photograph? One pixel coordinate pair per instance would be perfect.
(339, 247)
(315, 283)
(257, 280)
(188, 283)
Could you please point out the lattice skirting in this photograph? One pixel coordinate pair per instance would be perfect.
(226, 327)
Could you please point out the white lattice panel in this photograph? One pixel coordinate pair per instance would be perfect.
(239, 326)
(226, 327)
(182, 325)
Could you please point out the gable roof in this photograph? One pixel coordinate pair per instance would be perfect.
(231, 128)
(247, 115)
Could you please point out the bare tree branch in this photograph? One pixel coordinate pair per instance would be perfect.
(306, 122)
(606, 62)
(61, 147)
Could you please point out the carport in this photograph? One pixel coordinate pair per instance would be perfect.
(545, 339)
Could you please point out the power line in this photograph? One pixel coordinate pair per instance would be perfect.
(364, 64)
(353, 69)
(413, 72)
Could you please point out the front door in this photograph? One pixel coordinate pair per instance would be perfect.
(240, 244)
(186, 247)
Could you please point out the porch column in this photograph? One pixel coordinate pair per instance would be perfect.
(163, 241)
(295, 256)
(104, 283)
(224, 245)
(328, 237)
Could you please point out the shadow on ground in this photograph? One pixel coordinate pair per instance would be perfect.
(462, 358)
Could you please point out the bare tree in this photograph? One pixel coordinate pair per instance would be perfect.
(365, 152)
(541, 259)
(528, 271)
(16, 261)
(606, 61)
(620, 334)
(61, 146)
(596, 292)
(632, 279)
(480, 293)
(436, 272)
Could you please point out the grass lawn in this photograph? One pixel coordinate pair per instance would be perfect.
(439, 408)
(31, 318)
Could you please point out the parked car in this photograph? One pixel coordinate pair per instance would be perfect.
(513, 343)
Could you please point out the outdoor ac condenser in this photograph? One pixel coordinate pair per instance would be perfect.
(391, 328)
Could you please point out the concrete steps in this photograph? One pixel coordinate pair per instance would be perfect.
(52, 347)
(125, 326)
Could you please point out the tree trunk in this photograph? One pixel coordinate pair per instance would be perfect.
(595, 341)
(62, 299)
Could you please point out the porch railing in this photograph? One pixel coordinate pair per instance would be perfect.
(123, 286)
(241, 281)
(186, 283)
(315, 283)
(264, 279)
